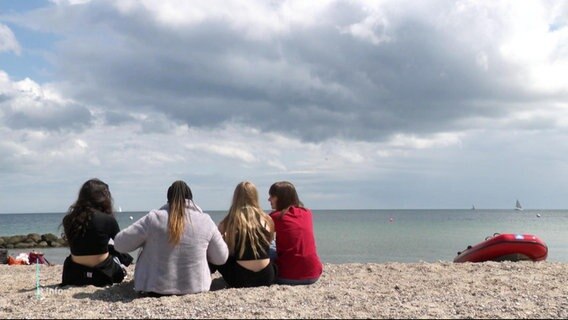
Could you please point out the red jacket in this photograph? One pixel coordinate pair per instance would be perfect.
(296, 245)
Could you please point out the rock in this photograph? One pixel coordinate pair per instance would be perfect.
(2, 242)
(9, 246)
(24, 245)
(42, 244)
(15, 239)
(35, 237)
(28, 240)
(48, 237)
(62, 242)
(55, 244)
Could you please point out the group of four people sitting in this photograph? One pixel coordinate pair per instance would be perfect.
(181, 246)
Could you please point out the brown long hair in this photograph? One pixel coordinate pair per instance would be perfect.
(94, 195)
(247, 220)
(286, 196)
(178, 193)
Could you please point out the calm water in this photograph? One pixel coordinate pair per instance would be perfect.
(371, 235)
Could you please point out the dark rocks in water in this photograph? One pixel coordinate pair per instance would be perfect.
(15, 239)
(42, 244)
(35, 237)
(49, 237)
(32, 240)
(24, 245)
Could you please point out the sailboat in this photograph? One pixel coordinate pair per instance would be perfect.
(119, 209)
(518, 206)
(472, 207)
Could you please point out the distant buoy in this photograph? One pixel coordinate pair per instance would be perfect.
(538, 215)
(131, 218)
(391, 219)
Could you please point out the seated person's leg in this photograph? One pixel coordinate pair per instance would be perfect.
(228, 271)
(292, 282)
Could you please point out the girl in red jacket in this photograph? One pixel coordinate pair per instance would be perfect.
(297, 258)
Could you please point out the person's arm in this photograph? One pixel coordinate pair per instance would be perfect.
(217, 251)
(113, 228)
(271, 230)
(221, 228)
(134, 236)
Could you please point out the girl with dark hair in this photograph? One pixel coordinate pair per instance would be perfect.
(248, 231)
(177, 242)
(297, 259)
(88, 227)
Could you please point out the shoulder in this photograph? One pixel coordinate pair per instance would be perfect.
(157, 215)
(202, 217)
(298, 213)
(204, 222)
(299, 210)
(101, 216)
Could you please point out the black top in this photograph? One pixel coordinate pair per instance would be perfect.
(100, 229)
(248, 254)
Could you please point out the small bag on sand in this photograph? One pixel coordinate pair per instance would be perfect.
(3, 256)
(37, 257)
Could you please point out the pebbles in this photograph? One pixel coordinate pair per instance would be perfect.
(390, 290)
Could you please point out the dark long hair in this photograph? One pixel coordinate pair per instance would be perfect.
(286, 195)
(178, 192)
(93, 196)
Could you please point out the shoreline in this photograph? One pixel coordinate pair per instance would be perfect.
(353, 290)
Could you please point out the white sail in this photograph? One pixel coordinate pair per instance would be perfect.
(518, 206)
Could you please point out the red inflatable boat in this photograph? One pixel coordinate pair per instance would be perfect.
(508, 246)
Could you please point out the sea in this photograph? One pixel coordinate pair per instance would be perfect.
(361, 236)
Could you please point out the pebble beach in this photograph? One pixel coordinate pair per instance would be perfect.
(386, 290)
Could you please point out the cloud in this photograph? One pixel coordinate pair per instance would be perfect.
(26, 104)
(362, 104)
(354, 70)
(8, 41)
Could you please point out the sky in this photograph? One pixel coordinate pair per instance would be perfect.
(383, 104)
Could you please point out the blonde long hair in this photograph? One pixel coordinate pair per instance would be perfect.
(178, 193)
(248, 220)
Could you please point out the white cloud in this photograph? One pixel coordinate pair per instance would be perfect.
(373, 27)
(8, 41)
(435, 141)
(532, 44)
(226, 151)
(81, 144)
(26, 104)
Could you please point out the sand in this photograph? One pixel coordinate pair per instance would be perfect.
(389, 290)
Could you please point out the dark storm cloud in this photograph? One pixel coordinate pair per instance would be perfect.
(313, 82)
